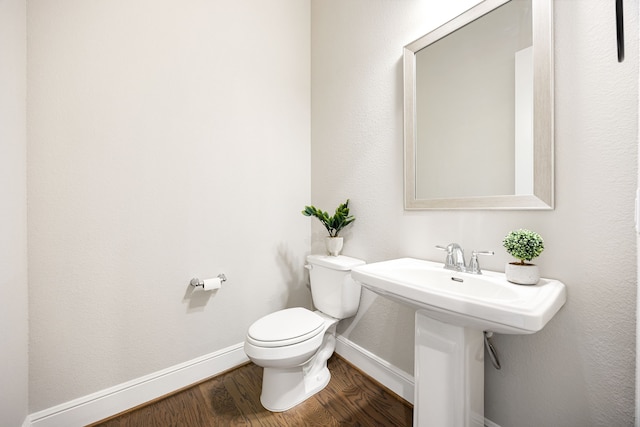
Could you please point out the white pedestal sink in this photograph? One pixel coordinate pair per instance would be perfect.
(453, 310)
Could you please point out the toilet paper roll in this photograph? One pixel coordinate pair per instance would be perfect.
(212, 284)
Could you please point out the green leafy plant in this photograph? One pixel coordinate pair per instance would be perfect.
(523, 244)
(334, 223)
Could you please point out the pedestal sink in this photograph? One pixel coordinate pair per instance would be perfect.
(453, 310)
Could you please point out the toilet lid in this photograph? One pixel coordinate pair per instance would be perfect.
(285, 327)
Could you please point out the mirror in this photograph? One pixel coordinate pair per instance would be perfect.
(478, 94)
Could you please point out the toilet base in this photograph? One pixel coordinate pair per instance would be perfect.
(284, 388)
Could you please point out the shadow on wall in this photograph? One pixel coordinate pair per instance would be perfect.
(197, 299)
(393, 324)
(295, 277)
(296, 291)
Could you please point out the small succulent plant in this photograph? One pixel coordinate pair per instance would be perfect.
(334, 223)
(523, 244)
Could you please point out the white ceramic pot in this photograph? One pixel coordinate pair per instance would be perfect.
(522, 274)
(334, 245)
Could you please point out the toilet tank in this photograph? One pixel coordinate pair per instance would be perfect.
(333, 290)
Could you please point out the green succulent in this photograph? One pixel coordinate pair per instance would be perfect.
(334, 223)
(523, 244)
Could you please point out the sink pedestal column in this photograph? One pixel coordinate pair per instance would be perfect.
(449, 374)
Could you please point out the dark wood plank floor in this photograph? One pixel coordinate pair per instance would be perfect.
(233, 399)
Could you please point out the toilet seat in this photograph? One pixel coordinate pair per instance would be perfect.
(285, 327)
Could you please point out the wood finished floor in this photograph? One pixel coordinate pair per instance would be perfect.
(233, 399)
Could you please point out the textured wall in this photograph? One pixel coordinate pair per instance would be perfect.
(578, 371)
(167, 139)
(13, 214)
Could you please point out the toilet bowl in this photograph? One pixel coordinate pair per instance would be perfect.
(294, 344)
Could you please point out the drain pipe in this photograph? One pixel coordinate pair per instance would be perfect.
(493, 353)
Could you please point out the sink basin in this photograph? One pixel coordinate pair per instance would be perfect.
(486, 302)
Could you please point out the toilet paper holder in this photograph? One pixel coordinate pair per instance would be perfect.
(195, 282)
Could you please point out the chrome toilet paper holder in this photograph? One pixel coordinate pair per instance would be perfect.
(196, 283)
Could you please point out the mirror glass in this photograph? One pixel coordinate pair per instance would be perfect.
(478, 110)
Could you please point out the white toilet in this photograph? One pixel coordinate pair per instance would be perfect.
(293, 345)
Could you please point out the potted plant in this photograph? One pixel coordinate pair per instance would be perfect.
(333, 224)
(524, 245)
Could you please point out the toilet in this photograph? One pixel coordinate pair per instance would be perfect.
(294, 344)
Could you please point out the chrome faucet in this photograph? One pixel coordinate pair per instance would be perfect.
(455, 259)
(458, 257)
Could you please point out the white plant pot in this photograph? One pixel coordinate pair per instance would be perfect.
(334, 245)
(527, 274)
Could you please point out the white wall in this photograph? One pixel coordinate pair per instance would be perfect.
(637, 401)
(167, 139)
(13, 215)
(578, 371)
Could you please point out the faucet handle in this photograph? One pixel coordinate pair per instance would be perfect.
(474, 265)
(482, 253)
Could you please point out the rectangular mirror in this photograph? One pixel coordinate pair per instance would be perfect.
(478, 94)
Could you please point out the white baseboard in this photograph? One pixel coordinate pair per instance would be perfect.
(111, 401)
(393, 378)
